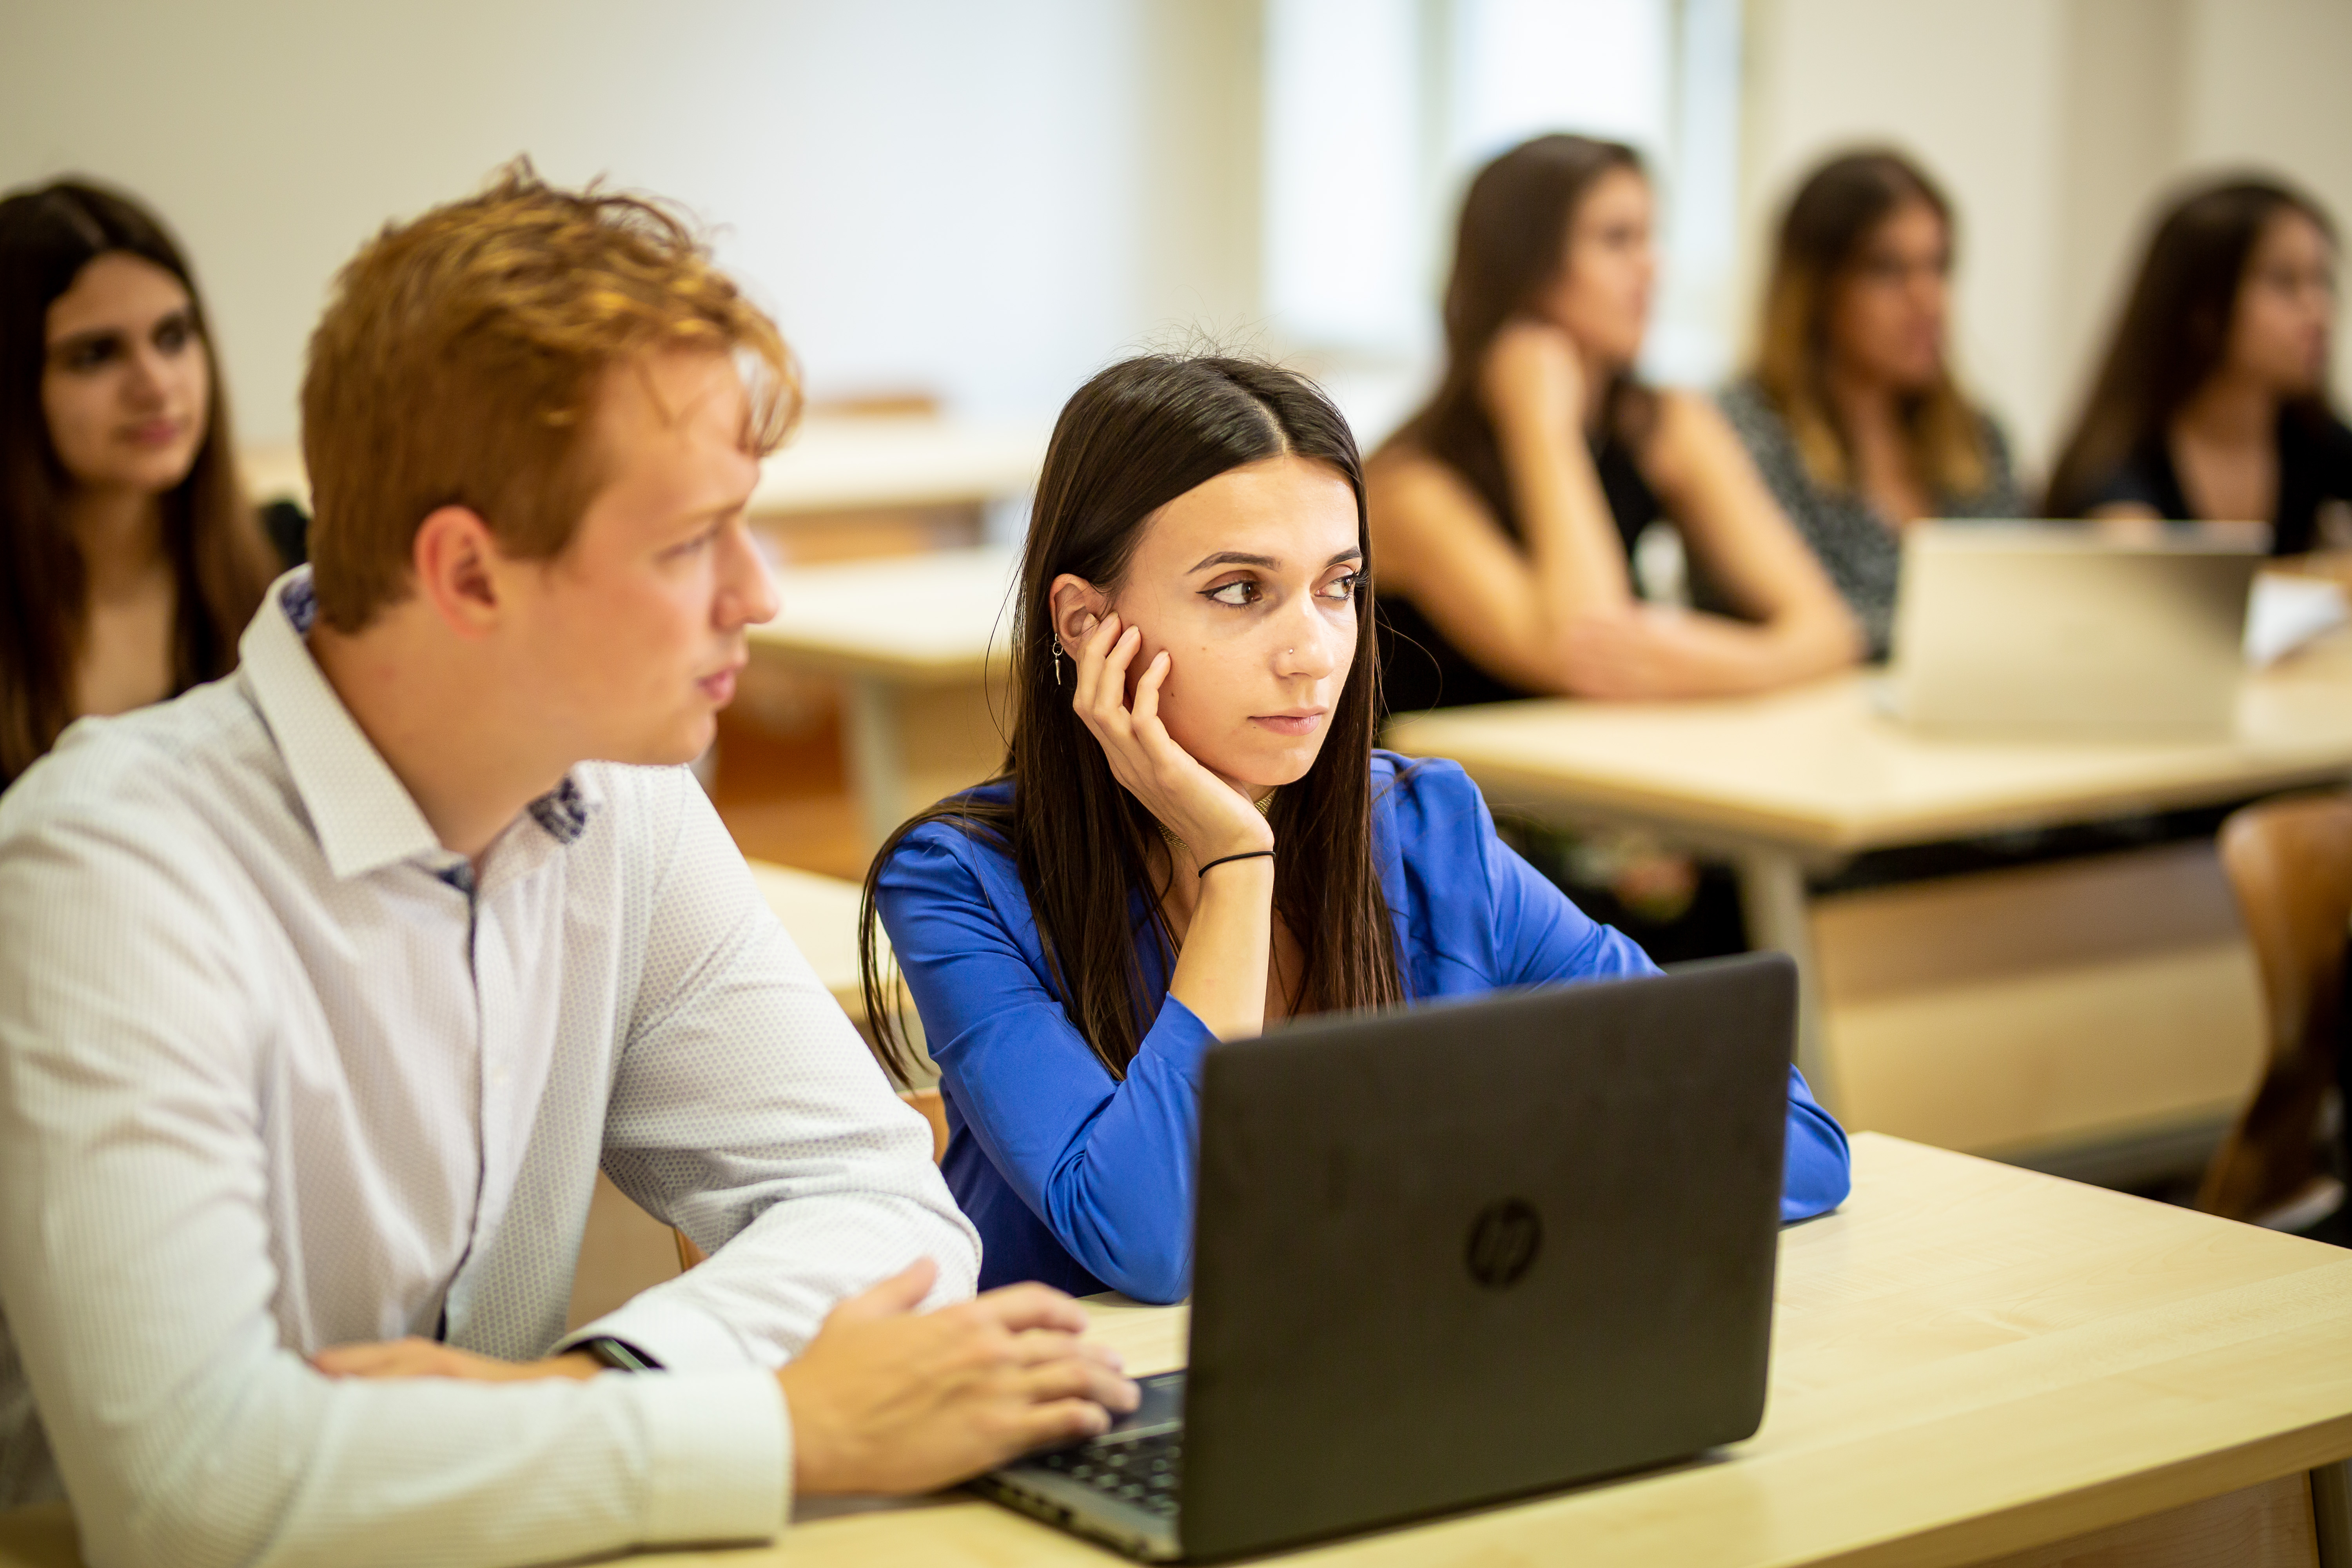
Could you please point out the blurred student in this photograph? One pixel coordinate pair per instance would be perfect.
(1194, 837)
(1507, 509)
(2213, 400)
(129, 559)
(1851, 412)
(326, 989)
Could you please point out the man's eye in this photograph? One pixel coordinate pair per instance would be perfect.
(1238, 593)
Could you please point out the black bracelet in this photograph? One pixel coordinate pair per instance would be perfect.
(1245, 855)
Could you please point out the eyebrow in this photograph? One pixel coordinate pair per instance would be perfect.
(99, 334)
(1235, 558)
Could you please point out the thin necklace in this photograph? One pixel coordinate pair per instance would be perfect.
(1265, 804)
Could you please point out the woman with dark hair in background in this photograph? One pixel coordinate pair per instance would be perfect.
(1507, 509)
(2213, 400)
(1193, 837)
(129, 560)
(1852, 414)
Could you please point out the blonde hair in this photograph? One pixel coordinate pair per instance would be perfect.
(1828, 223)
(458, 362)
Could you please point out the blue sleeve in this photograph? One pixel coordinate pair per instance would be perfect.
(1538, 937)
(1105, 1164)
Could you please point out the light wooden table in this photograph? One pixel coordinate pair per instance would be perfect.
(921, 646)
(2051, 1007)
(1971, 1364)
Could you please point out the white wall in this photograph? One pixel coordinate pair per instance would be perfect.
(2058, 126)
(926, 193)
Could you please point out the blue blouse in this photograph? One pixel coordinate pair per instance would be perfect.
(1085, 1181)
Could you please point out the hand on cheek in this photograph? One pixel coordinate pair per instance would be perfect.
(1211, 819)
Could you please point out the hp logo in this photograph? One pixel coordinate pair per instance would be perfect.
(1504, 1241)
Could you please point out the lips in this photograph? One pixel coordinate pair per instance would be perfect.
(719, 685)
(156, 432)
(1304, 723)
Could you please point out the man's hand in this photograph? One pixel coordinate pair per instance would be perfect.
(413, 1357)
(884, 1400)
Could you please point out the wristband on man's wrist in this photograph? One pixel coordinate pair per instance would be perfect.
(618, 1354)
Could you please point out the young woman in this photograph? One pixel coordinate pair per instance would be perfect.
(2212, 401)
(1852, 414)
(1505, 511)
(129, 561)
(1193, 837)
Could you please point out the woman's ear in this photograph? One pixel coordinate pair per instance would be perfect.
(1078, 604)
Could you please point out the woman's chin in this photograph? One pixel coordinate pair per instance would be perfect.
(1266, 767)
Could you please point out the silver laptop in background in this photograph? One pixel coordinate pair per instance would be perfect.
(2044, 629)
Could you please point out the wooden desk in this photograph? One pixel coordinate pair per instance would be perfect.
(1972, 1364)
(920, 643)
(2039, 1009)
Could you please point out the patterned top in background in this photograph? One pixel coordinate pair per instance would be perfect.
(1862, 554)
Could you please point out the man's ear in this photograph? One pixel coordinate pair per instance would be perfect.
(1077, 605)
(455, 563)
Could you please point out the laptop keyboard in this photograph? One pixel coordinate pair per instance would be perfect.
(1143, 1471)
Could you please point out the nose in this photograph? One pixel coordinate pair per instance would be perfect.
(148, 376)
(1307, 644)
(747, 589)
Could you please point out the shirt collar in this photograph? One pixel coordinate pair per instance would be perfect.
(362, 814)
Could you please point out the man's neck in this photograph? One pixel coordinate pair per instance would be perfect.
(430, 712)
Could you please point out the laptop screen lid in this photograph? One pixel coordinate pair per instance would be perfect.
(2066, 629)
(1465, 1250)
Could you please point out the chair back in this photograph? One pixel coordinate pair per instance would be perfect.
(2289, 863)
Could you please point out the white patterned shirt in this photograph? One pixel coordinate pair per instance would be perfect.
(276, 1074)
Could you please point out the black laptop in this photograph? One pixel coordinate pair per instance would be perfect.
(1453, 1253)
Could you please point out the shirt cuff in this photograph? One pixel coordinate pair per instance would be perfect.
(679, 1337)
(721, 1449)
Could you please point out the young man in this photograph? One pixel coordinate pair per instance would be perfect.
(325, 989)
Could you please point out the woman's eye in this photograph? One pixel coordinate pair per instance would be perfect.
(1344, 587)
(1238, 593)
(174, 335)
(91, 352)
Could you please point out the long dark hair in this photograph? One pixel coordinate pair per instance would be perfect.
(1134, 439)
(215, 541)
(1507, 251)
(2174, 331)
(1829, 222)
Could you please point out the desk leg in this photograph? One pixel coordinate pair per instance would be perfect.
(1772, 897)
(2331, 1513)
(877, 759)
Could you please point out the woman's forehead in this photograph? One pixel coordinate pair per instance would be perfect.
(1298, 512)
(117, 292)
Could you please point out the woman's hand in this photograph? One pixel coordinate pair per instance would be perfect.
(1211, 816)
(1534, 378)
